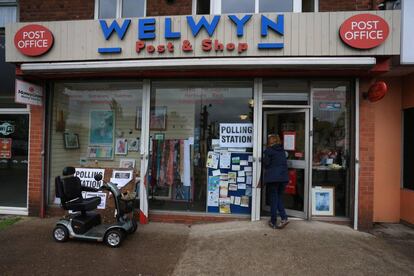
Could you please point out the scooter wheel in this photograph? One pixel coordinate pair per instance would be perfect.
(60, 233)
(114, 237)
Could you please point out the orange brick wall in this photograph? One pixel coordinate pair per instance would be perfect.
(35, 157)
(348, 5)
(366, 159)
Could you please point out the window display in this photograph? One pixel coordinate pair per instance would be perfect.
(331, 142)
(189, 115)
(94, 126)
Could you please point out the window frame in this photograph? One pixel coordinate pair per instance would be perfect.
(215, 6)
(118, 13)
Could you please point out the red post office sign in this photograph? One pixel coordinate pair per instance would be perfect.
(33, 40)
(364, 31)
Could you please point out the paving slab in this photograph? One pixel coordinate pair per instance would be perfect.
(230, 248)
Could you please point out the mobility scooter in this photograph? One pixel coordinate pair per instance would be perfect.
(82, 224)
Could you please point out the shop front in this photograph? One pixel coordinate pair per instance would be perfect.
(178, 109)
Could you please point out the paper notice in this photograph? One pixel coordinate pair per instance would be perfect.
(225, 160)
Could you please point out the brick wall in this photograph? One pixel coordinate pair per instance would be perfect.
(366, 159)
(160, 7)
(35, 157)
(51, 10)
(348, 5)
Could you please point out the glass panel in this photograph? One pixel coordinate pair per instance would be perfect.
(7, 15)
(89, 122)
(203, 6)
(286, 92)
(107, 9)
(331, 141)
(7, 79)
(237, 6)
(185, 120)
(133, 8)
(275, 5)
(308, 5)
(290, 125)
(14, 133)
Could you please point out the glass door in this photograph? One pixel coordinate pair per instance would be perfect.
(14, 134)
(293, 128)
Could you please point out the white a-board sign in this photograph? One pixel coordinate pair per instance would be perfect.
(236, 135)
(87, 177)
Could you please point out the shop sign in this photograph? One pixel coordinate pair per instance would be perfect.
(87, 177)
(5, 148)
(364, 31)
(236, 135)
(147, 30)
(6, 129)
(28, 93)
(33, 40)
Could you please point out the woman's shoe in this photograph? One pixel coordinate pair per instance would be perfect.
(272, 225)
(282, 224)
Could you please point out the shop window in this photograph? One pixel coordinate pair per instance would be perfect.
(408, 152)
(256, 6)
(8, 12)
(332, 143)
(95, 125)
(7, 79)
(119, 8)
(184, 128)
(203, 7)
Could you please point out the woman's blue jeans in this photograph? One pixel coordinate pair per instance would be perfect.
(276, 191)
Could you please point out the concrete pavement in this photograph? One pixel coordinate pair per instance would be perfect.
(231, 248)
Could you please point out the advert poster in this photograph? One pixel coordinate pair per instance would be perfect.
(5, 148)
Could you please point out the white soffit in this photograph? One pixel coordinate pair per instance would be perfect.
(200, 63)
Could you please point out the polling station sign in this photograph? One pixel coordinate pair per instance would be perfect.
(236, 135)
(87, 177)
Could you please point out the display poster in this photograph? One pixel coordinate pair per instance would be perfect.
(121, 178)
(87, 177)
(28, 93)
(225, 205)
(5, 148)
(289, 140)
(101, 125)
(236, 135)
(225, 160)
(213, 160)
(102, 205)
(213, 191)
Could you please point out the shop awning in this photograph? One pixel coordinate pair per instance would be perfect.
(302, 63)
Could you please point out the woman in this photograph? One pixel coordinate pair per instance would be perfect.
(276, 177)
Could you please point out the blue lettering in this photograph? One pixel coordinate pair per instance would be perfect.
(168, 32)
(240, 23)
(120, 31)
(146, 28)
(196, 27)
(275, 26)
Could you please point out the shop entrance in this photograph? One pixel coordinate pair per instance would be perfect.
(14, 133)
(292, 125)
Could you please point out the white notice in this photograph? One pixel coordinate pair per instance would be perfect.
(236, 135)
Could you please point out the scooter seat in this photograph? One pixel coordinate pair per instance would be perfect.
(83, 204)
